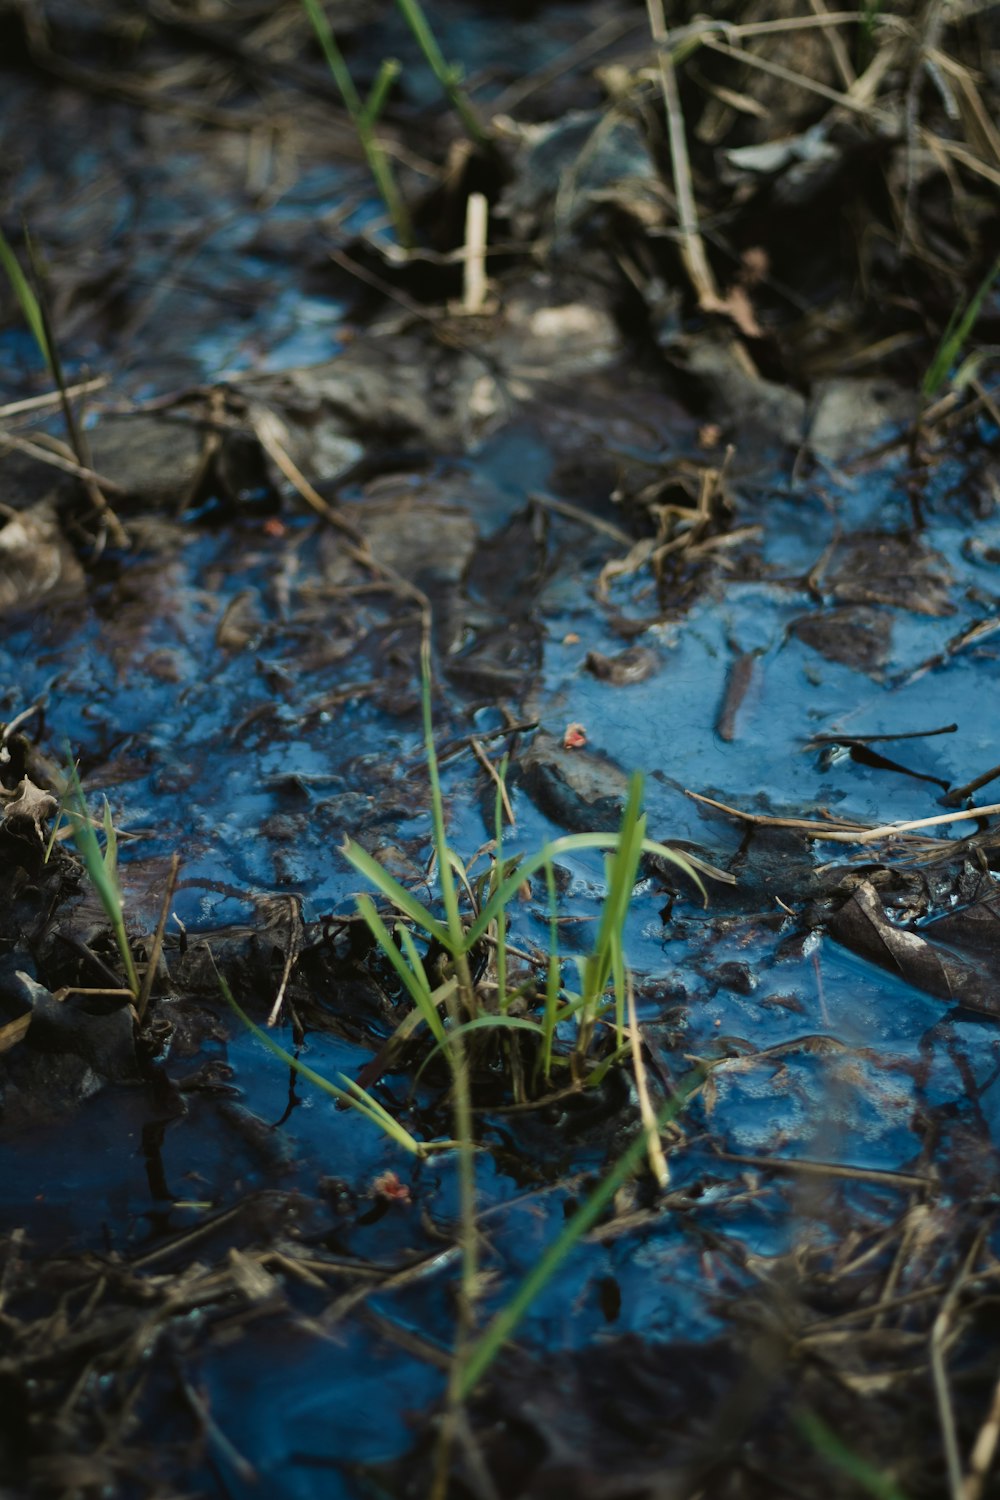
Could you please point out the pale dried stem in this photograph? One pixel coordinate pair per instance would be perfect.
(496, 778)
(657, 1160)
(53, 398)
(835, 43)
(474, 280)
(983, 1451)
(153, 962)
(55, 460)
(841, 832)
(266, 430)
(692, 246)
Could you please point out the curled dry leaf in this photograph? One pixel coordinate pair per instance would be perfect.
(26, 812)
(863, 926)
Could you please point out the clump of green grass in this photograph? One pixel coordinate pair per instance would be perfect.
(601, 989)
(453, 1005)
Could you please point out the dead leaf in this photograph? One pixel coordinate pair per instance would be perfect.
(28, 810)
(862, 926)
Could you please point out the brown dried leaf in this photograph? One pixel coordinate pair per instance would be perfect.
(862, 926)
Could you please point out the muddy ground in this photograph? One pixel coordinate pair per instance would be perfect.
(686, 491)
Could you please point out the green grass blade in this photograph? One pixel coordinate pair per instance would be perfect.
(425, 1002)
(495, 872)
(569, 843)
(600, 1071)
(412, 974)
(960, 325)
(26, 298)
(384, 80)
(339, 71)
(378, 162)
(110, 844)
(463, 1001)
(488, 1346)
(456, 942)
(395, 893)
(691, 867)
(446, 75)
(553, 972)
(831, 1447)
(618, 986)
(622, 867)
(101, 870)
(352, 1094)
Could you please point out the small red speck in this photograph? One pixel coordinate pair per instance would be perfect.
(388, 1185)
(575, 737)
(273, 526)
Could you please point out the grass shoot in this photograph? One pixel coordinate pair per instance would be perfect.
(101, 866)
(26, 299)
(960, 325)
(364, 115)
(447, 74)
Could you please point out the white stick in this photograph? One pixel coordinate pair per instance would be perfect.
(474, 285)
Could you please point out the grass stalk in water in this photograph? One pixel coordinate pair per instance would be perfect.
(499, 1331)
(349, 1093)
(841, 1456)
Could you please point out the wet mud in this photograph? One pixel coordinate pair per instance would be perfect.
(730, 546)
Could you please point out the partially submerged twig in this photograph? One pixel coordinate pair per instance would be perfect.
(841, 831)
(650, 1124)
(153, 961)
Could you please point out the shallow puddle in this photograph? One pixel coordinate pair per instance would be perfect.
(242, 685)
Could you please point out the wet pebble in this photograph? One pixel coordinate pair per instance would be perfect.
(634, 664)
